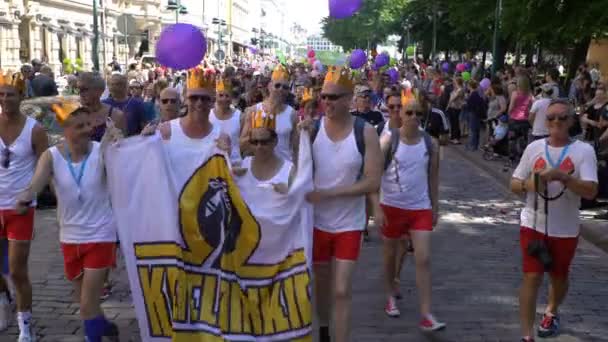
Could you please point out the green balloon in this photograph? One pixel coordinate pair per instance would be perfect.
(466, 76)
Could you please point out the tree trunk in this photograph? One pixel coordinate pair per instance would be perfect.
(529, 56)
(483, 59)
(578, 57)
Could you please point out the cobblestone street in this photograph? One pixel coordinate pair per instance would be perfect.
(476, 275)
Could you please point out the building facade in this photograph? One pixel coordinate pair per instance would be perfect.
(320, 43)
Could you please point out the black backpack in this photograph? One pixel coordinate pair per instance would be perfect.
(358, 126)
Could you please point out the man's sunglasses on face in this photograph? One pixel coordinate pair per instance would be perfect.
(261, 142)
(331, 97)
(561, 118)
(412, 112)
(202, 98)
(171, 101)
(394, 107)
(279, 86)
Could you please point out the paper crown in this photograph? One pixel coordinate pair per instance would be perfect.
(201, 79)
(223, 85)
(261, 119)
(280, 73)
(407, 96)
(341, 76)
(307, 95)
(12, 79)
(64, 109)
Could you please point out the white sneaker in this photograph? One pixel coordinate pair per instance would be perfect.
(27, 336)
(391, 308)
(26, 330)
(5, 312)
(429, 323)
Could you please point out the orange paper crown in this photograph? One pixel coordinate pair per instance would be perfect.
(261, 119)
(280, 73)
(341, 76)
(307, 95)
(11, 79)
(407, 96)
(223, 85)
(201, 79)
(64, 109)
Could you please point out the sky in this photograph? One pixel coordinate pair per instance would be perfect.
(308, 13)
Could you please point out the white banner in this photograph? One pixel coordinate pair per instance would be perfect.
(193, 255)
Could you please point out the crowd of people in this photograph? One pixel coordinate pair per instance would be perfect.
(376, 145)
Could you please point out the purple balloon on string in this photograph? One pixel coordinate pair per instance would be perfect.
(358, 58)
(445, 66)
(393, 75)
(341, 9)
(181, 46)
(382, 60)
(467, 66)
(485, 83)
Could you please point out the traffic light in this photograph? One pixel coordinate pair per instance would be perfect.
(254, 41)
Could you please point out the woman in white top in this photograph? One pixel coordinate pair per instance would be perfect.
(86, 221)
(227, 118)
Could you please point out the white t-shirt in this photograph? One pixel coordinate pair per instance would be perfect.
(539, 128)
(564, 216)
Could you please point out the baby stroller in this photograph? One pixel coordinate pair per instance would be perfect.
(497, 147)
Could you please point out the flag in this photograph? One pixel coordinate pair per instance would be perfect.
(193, 254)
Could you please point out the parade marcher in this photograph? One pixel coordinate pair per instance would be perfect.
(554, 173)
(410, 189)
(90, 87)
(287, 117)
(170, 104)
(87, 227)
(346, 155)
(133, 108)
(434, 121)
(227, 118)
(538, 112)
(22, 141)
(363, 107)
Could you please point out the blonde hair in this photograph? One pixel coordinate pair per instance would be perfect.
(523, 84)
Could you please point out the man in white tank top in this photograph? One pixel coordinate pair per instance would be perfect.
(227, 118)
(87, 228)
(339, 197)
(287, 117)
(409, 202)
(22, 141)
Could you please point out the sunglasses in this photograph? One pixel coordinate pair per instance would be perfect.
(6, 158)
(223, 95)
(279, 86)
(332, 97)
(136, 88)
(394, 107)
(561, 118)
(260, 142)
(411, 112)
(171, 101)
(202, 98)
(83, 90)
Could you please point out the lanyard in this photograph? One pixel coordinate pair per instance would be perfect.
(561, 156)
(83, 165)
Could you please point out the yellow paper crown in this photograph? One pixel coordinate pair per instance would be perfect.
(12, 80)
(407, 96)
(201, 79)
(341, 76)
(223, 85)
(64, 109)
(307, 95)
(261, 119)
(280, 73)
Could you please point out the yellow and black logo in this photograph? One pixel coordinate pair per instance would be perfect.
(207, 289)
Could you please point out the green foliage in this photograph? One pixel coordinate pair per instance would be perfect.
(79, 64)
(68, 68)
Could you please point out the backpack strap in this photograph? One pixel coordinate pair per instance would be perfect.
(428, 142)
(392, 149)
(380, 127)
(359, 128)
(315, 130)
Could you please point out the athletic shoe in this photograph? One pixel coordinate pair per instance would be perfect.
(549, 326)
(27, 335)
(429, 323)
(391, 308)
(5, 312)
(529, 339)
(106, 292)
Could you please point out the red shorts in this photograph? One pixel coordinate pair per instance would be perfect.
(342, 246)
(17, 227)
(92, 256)
(562, 252)
(398, 222)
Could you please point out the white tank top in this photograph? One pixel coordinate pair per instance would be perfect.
(337, 164)
(405, 183)
(84, 212)
(232, 128)
(283, 129)
(187, 154)
(17, 177)
(256, 192)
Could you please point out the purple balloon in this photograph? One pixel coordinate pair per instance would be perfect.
(445, 66)
(358, 59)
(468, 66)
(181, 46)
(485, 83)
(382, 60)
(341, 9)
(393, 74)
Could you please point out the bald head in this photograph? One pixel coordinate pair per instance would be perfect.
(169, 104)
(118, 87)
(169, 93)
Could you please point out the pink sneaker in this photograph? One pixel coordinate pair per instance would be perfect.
(391, 308)
(429, 323)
